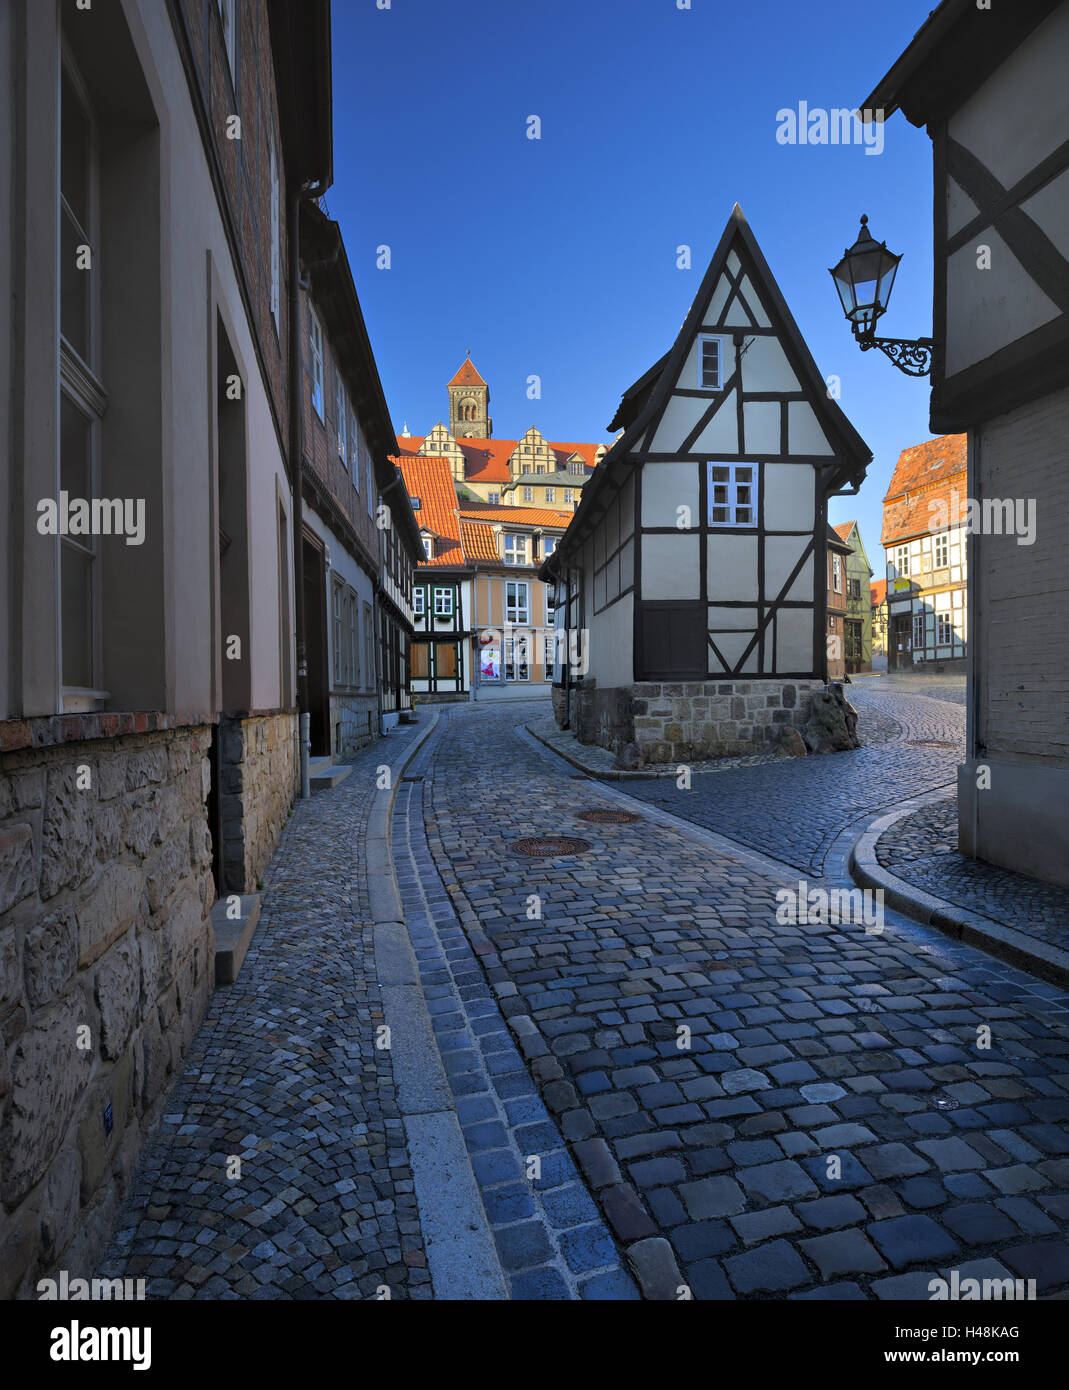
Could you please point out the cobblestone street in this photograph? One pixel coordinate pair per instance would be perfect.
(713, 1162)
(660, 1087)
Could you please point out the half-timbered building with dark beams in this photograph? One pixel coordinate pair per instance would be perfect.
(990, 87)
(696, 561)
(441, 592)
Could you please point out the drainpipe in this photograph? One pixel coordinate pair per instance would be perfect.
(296, 443)
(476, 664)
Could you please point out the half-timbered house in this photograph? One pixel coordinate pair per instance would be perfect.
(989, 84)
(441, 592)
(696, 561)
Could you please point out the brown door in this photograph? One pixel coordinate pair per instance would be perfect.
(899, 655)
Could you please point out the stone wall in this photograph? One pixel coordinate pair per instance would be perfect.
(688, 721)
(441, 697)
(357, 716)
(259, 778)
(106, 966)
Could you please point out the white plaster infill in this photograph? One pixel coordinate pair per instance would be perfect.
(461, 1253)
(1038, 958)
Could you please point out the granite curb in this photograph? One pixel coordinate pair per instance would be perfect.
(1037, 958)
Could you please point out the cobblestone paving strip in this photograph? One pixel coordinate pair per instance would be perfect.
(551, 1239)
(285, 1075)
(923, 850)
(764, 1109)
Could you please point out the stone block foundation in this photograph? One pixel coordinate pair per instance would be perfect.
(259, 777)
(106, 966)
(688, 721)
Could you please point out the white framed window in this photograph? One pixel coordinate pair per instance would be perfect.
(418, 599)
(428, 547)
(315, 347)
(341, 417)
(352, 637)
(443, 603)
(548, 654)
(577, 466)
(550, 610)
(516, 661)
(517, 602)
(549, 545)
(901, 561)
(710, 354)
(276, 239)
(918, 631)
(551, 494)
(228, 18)
(354, 449)
(569, 496)
(82, 394)
(338, 610)
(515, 549)
(944, 629)
(837, 573)
(733, 494)
(942, 552)
(494, 497)
(528, 494)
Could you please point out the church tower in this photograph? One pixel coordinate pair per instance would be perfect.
(469, 405)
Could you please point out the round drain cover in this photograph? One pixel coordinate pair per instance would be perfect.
(546, 846)
(609, 817)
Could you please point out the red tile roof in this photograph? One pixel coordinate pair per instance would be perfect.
(487, 460)
(925, 474)
(878, 591)
(431, 480)
(467, 376)
(522, 516)
(843, 530)
(479, 541)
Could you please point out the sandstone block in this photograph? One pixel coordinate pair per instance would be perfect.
(68, 837)
(109, 910)
(118, 995)
(49, 1073)
(62, 1201)
(51, 956)
(18, 877)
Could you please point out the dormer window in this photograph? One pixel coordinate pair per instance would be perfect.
(428, 547)
(415, 503)
(709, 363)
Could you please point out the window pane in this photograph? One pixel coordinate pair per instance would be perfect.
(74, 289)
(77, 586)
(75, 458)
(74, 153)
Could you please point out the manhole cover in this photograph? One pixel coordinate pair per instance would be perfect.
(609, 817)
(543, 847)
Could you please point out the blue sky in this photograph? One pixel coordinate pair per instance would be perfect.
(557, 257)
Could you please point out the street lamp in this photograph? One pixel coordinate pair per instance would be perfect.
(863, 279)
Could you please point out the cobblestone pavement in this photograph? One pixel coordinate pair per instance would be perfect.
(912, 743)
(285, 1075)
(550, 1236)
(923, 850)
(762, 1109)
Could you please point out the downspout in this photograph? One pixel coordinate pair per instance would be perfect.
(296, 442)
(476, 664)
